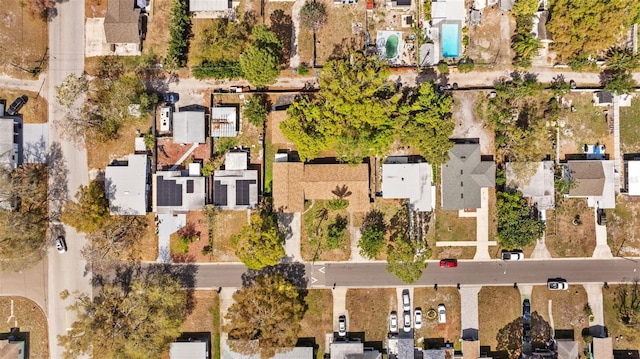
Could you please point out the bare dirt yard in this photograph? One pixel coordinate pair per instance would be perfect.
(30, 319)
(101, 153)
(317, 320)
(369, 313)
(34, 111)
(490, 42)
(622, 227)
(492, 320)
(432, 334)
(23, 40)
(468, 125)
(564, 238)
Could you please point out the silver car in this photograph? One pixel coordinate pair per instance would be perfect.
(442, 314)
(393, 322)
(61, 245)
(407, 321)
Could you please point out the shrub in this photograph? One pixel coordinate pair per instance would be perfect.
(313, 15)
(179, 29)
(208, 168)
(303, 70)
(254, 111)
(443, 68)
(223, 69)
(149, 140)
(337, 204)
(336, 232)
(466, 65)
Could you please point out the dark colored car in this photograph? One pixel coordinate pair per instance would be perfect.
(16, 105)
(170, 97)
(602, 217)
(526, 309)
(449, 263)
(526, 333)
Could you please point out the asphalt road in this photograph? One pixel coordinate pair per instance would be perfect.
(488, 273)
(65, 271)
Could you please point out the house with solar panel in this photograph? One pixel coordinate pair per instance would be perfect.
(236, 186)
(179, 191)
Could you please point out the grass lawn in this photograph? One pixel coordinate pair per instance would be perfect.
(318, 319)
(34, 111)
(564, 239)
(101, 153)
(432, 334)
(149, 242)
(586, 125)
(629, 129)
(449, 227)
(228, 223)
(567, 307)
(314, 239)
(369, 313)
(630, 333)
(497, 307)
(622, 224)
(30, 319)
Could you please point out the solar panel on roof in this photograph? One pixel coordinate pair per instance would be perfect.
(219, 194)
(169, 192)
(189, 186)
(242, 192)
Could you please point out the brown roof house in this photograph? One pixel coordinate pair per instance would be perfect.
(295, 182)
(593, 180)
(123, 27)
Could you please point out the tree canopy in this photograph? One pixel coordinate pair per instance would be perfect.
(260, 242)
(406, 258)
(138, 319)
(373, 232)
(255, 111)
(266, 315)
(358, 112)
(518, 225)
(260, 62)
(90, 211)
(313, 15)
(583, 28)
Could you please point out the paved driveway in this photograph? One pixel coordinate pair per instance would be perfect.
(167, 225)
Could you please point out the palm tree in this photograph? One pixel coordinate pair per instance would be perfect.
(525, 45)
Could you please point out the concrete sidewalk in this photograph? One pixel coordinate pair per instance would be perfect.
(291, 224)
(482, 227)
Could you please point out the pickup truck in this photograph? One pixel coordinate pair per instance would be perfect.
(512, 255)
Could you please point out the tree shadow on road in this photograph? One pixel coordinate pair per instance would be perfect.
(293, 272)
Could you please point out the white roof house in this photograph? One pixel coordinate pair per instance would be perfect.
(539, 187)
(188, 127)
(633, 178)
(224, 121)
(189, 350)
(176, 192)
(235, 187)
(9, 148)
(401, 179)
(126, 185)
(209, 5)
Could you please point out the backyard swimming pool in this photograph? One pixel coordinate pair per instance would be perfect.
(450, 40)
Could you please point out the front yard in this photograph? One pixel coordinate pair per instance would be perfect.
(35, 110)
(613, 320)
(317, 320)
(623, 221)
(566, 237)
(369, 312)
(31, 320)
(497, 308)
(325, 233)
(432, 334)
(24, 40)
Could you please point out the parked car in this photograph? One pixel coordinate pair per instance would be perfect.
(602, 217)
(526, 309)
(449, 263)
(406, 301)
(342, 325)
(16, 105)
(393, 322)
(170, 97)
(61, 244)
(526, 333)
(572, 84)
(557, 284)
(514, 255)
(417, 318)
(407, 321)
(442, 314)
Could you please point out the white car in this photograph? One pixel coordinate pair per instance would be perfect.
(407, 321)
(342, 326)
(393, 322)
(512, 255)
(406, 301)
(557, 284)
(442, 314)
(61, 245)
(417, 318)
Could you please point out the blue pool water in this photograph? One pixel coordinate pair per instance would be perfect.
(450, 40)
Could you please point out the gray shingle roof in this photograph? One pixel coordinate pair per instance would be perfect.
(463, 176)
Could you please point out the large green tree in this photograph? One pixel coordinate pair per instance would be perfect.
(517, 227)
(373, 231)
(260, 242)
(136, 319)
(313, 15)
(406, 258)
(427, 124)
(90, 211)
(582, 28)
(265, 316)
(260, 62)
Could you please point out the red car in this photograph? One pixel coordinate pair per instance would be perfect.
(448, 263)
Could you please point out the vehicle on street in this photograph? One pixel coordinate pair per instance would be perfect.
(342, 325)
(602, 217)
(442, 314)
(526, 309)
(61, 244)
(557, 284)
(514, 255)
(393, 322)
(407, 321)
(170, 97)
(572, 84)
(16, 105)
(406, 301)
(417, 318)
(449, 263)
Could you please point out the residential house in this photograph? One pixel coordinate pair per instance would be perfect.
(352, 349)
(593, 180)
(506, 5)
(602, 348)
(123, 27)
(189, 350)
(211, 9)
(224, 121)
(12, 349)
(236, 186)
(126, 185)
(539, 187)
(411, 180)
(401, 346)
(10, 154)
(464, 175)
(295, 182)
(188, 127)
(633, 177)
(567, 349)
(602, 98)
(178, 192)
(399, 4)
